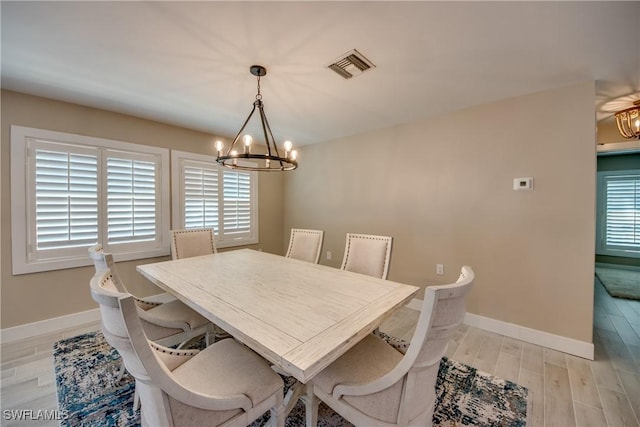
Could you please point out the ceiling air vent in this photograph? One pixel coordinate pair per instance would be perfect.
(351, 64)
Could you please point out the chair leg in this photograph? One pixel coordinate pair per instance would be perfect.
(277, 416)
(120, 372)
(136, 398)
(277, 412)
(311, 407)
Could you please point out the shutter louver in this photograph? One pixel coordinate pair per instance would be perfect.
(131, 200)
(237, 202)
(66, 199)
(623, 212)
(200, 197)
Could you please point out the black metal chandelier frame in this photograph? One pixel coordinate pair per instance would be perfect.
(269, 161)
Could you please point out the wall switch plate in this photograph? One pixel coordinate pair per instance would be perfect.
(439, 269)
(328, 255)
(523, 184)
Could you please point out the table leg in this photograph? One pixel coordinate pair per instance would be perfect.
(311, 403)
(295, 392)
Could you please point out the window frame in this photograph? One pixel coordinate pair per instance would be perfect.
(601, 245)
(25, 256)
(178, 159)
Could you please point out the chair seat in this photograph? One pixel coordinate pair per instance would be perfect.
(177, 311)
(370, 359)
(227, 367)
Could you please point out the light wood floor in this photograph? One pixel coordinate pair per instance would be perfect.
(566, 390)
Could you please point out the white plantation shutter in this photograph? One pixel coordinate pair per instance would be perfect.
(69, 192)
(66, 198)
(131, 200)
(211, 196)
(237, 202)
(622, 212)
(200, 195)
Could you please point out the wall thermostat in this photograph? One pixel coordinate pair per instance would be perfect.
(523, 183)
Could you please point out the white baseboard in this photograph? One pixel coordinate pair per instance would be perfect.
(557, 342)
(49, 326)
(59, 324)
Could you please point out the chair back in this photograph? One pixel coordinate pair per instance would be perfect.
(442, 313)
(367, 254)
(103, 261)
(105, 293)
(305, 245)
(192, 242)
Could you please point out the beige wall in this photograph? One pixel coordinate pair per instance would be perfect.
(33, 297)
(443, 189)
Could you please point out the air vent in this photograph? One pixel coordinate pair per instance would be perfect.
(351, 64)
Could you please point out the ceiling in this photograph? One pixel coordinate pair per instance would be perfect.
(187, 63)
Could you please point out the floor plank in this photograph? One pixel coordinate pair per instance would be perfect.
(583, 384)
(558, 405)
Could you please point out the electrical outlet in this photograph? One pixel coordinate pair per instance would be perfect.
(440, 269)
(328, 255)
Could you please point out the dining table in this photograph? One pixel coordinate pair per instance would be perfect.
(298, 315)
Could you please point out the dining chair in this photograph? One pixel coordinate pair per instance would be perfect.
(224, 385)
(367, 254)
(169, 323)
(372, 384)
(192, 242)
(195, 242)
(305, 245)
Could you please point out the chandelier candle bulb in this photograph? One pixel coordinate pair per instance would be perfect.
(219, 147)
(247, 143)
(287, 148)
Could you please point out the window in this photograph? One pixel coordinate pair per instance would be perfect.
(207, 195)
(69, 192)
(619, 213)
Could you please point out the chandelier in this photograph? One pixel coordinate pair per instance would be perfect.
(272, 160)
(628, 121)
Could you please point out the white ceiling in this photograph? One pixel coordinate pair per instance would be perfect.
(187, 63)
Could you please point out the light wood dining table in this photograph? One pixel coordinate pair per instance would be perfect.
(298, 315)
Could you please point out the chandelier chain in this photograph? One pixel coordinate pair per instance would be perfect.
(258, 95)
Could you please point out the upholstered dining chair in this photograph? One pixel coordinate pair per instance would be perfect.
(305, 245)
(374, 385)
(195, 242)
(192, 242)
(168, 323)
(367, 254)
(224, 385)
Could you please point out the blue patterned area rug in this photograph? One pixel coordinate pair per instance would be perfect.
(86, 367)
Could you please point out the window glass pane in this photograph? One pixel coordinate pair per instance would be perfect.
(622, 212)
(237, 202)
(200, 196)
(66, 186)
(131, 200)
